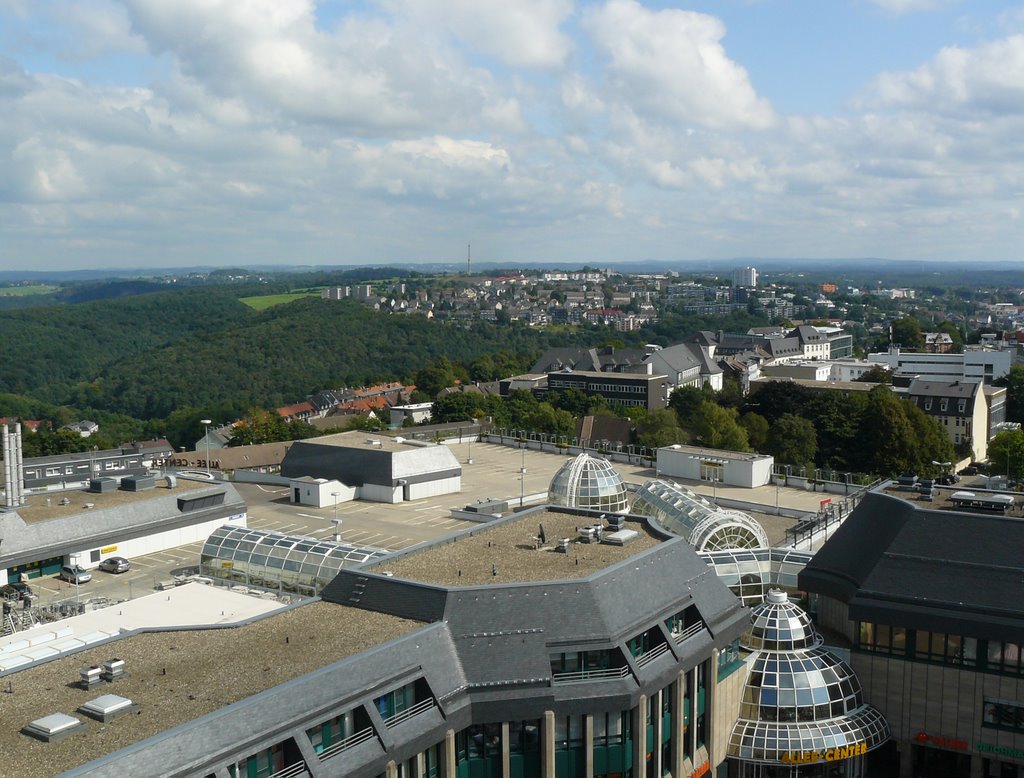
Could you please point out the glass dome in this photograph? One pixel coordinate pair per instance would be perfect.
(704, 525)
(799, 697)
(588, 482)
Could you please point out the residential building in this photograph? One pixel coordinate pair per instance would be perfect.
(961, 407)
(744, 276)
(929, 597)
(686, 364)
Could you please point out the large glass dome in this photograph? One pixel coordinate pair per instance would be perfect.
(803, 706)
(588, 482)
(704, 525)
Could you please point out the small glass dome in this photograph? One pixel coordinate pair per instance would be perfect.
(588, 482)
(705, 526)
(800, 698)
(779, 625)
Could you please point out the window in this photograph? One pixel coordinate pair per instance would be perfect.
(943, 404)
(999, 714)
(882, 639)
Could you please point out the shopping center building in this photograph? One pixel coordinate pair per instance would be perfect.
(931, 597)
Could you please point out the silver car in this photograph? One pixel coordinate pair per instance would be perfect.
(115, 564)
(75, 574)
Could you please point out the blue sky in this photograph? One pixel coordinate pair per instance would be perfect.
(143, 132)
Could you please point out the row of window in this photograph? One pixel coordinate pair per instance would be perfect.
(990, 656)
(944, 405)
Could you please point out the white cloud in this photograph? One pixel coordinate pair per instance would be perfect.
(518, 33)
(671, 65)
(989, 78)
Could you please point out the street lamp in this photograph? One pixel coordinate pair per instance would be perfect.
(522, 480)
(335, 495)
(206, 436)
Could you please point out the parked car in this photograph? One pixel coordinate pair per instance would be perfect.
(75, 574)
(16, 590)
(115, 564)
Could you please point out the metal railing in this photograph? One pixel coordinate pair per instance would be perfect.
(582, 676)
(343, 745)
(689, 632)
(299, 768)
(408, 713)
(649, 656)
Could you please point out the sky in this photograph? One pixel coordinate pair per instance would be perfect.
(138, 133)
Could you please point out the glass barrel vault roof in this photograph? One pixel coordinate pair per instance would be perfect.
(588, 482)
(704, 525)
(275, 560)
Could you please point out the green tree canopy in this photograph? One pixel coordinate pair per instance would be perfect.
(792, 440)
(1006, 452)
(1014, 383)
(718, 427)
(756, 426)
(660, 427)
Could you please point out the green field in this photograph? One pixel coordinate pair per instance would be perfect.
(265, 301)
(25, 291)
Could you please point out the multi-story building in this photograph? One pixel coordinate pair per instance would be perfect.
(744, 276)
(490, 653)
(983, 363)
(962, 408)
(929, 596)
(632, 389)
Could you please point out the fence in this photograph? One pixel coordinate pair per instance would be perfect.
(571, 446)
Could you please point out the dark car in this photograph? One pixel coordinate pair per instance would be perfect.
(115, 564)
(948, 479)
(16, 590)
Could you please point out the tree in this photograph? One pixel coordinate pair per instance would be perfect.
(260, 426)
(1014, 383)
(718, 427)
(879, 374)
(457, 406)
(906, 333)
(887, 443)
(1006, 452)
(793, 440)
(685, 401)
(660, 427)
(756, 426)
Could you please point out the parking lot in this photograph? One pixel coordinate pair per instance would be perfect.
(493, 474)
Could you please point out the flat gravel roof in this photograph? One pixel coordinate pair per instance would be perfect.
(510, 550)
(205, 670)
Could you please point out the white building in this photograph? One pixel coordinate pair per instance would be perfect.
(730, 468)
(982, 363)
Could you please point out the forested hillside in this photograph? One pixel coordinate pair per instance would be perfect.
(282, 354)
(48, 351)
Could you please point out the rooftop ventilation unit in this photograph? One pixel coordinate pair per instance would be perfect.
(89, 676)
(107, 707)
(621, 537)
(113, 669)
(172, 481)
(102, 485)
(52, 728)
(138, 483)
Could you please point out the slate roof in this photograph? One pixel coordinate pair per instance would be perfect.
(963, 388)
(942, 570)
(604, 360)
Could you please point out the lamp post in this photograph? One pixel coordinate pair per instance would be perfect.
(522, 480)
(206, 436)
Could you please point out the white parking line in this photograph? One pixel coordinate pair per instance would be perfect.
(309, 516)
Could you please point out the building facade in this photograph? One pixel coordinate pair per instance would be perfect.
(930, 600)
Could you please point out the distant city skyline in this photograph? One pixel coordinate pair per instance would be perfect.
(204, 132)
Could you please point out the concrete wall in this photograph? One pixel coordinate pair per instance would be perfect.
(435, 488)
(737, 470)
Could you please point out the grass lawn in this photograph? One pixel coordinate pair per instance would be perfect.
(24, 291)
(264, 301)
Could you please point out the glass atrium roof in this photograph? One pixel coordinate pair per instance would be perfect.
(277, 561)
(750, 573)
(799, 697)
(589, 482)
(705, 526)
